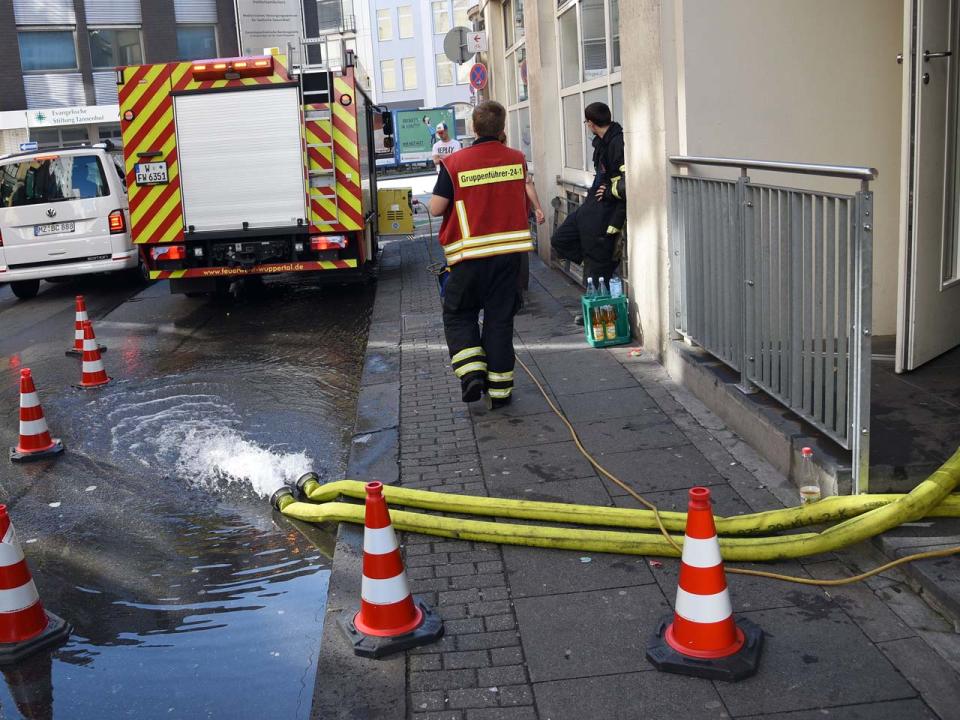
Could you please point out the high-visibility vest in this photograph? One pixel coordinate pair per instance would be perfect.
(488, 215)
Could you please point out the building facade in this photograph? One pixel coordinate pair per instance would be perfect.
(408, 61)
(866, 83)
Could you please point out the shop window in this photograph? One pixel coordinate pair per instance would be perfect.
(508, 29)
(573, 132)
(112, 47)
(44, 50)
(569, 53)
(405, 22)
(196, 42)
(594, 39)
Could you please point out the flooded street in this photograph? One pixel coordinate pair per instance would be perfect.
(152, 534)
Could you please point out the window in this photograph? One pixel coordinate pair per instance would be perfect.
(384, 25)
(573, 132)
(405, 22)
(444, 70)
(588, 36)
(196, 42)
(111, 47)
(520, 57)
(508, 29)
(463, 74)
(615, 32)
(409, 66)
(441, 17)
(35, 181)
(48, 138)
(461, 16)
(329, 15)
(388, 75)
(593, 27)
(518, 19)
(43, 50)
(569, 56)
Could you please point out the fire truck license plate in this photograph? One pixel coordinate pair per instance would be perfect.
(151, 173)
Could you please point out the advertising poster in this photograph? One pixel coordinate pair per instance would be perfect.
(417, 132)
(384, 156)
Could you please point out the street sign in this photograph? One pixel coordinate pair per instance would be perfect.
(476, 41)
(28, 146)
(455, 45)
(478, 76)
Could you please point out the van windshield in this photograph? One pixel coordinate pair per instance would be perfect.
(51, 178)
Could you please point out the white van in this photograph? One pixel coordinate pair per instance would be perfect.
(62, 212)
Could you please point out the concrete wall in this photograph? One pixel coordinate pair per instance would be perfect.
(812, 81)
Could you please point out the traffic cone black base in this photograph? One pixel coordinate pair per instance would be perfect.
(429, 630)
(742, 664)
(19, 457)
(79, 353)
(57, 631)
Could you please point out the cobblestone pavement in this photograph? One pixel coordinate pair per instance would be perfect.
(560, 635)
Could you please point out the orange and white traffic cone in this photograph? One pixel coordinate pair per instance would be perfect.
(389, 619)
(93, 374)
(25, 626)
(35, 442)
(81, 318)
(701, 638)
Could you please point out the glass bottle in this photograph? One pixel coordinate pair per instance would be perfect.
(597, 322)
(603, 290)
(809, 478)
(591, 288)
(616, 286)
(611, 322)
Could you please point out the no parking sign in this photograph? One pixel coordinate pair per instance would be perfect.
(478, 76)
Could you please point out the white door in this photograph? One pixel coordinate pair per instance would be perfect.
(928, 311)
(241, 159)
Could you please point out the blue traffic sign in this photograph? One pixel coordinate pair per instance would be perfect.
(28, 146)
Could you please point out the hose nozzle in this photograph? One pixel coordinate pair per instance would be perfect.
(282, 497)
(306, 483)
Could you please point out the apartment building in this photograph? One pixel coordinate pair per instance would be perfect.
(409, 64)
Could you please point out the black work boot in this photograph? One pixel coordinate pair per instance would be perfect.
(496, 403)
(472, 387)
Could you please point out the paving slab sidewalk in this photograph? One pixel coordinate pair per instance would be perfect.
(557, 635)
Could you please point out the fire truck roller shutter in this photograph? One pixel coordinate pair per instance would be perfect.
(241, 159)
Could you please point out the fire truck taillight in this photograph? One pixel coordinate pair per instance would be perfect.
(234, 68)
(169, 252)
(328, 242)
(117, 222)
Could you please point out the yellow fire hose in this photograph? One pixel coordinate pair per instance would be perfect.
(857, 518)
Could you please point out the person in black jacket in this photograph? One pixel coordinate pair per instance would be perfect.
(589, 234)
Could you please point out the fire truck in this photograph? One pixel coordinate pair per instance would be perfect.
(249, 166)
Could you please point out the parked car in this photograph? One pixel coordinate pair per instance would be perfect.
(63, 213)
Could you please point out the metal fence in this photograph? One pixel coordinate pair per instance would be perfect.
(776, 283)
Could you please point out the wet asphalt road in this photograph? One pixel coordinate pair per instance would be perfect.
(190, 597)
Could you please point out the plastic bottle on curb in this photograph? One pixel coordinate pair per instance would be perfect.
(809, 485)
(603, 290)
(591, 289)
(616, 286)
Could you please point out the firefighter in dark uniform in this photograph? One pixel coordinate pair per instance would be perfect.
(481, 194)
(590, 233)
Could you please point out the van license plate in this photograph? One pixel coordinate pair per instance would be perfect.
(53, 229)
(151, 173)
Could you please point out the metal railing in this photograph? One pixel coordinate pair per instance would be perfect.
(776, 283)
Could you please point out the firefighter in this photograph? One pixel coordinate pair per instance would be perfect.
(590, 233)
(481, 192)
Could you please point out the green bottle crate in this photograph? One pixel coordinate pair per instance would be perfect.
(621, 306)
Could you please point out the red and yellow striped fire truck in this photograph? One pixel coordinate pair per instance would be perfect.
(249, 166)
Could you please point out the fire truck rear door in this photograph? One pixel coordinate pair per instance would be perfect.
(241, 159)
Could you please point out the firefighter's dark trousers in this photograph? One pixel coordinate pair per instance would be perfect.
(490, 285)
(582, 238)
